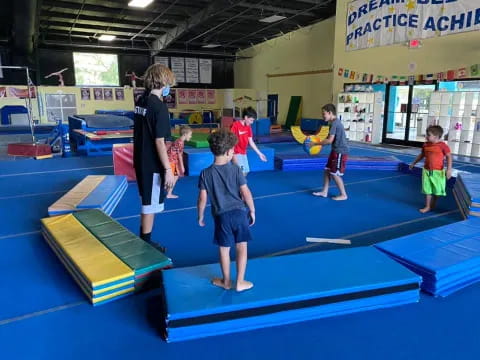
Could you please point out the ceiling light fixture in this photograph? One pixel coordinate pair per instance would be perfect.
(140, 3)
(106, 37)
(211, 46)
(272, 19)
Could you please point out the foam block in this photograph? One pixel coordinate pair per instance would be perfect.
(196, 160)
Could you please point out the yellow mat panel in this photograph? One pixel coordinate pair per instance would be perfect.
(98, 265)
(72, 198)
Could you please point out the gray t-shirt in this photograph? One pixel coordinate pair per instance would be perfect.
(222, 183)
(340, 143)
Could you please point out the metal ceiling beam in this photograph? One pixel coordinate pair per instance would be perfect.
(93, 31)
(97, 9)
(103, 25)
(99, 20)
(215, 7)
(274, 9)
(278, 22)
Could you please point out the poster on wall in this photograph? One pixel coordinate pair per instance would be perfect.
(170, 99)
(3, 91)
(211, 96)
(191, 70)
(205, 66)
(178, 68)
(192, 96)
(20, 93)
(119, 94)
(201, 94)
(370, 24)
(137, 93)
(161, 60)
(182, 96)
(107, 94)
(97, 94)
(85, 93)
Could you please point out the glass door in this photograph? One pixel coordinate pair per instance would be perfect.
(406, 120)
(419, 112)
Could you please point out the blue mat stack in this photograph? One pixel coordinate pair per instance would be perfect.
(467, 194)
(287, 289)
(447, 258)
(296, 162)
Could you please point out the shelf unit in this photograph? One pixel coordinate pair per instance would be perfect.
(458, 113)
(362, 115)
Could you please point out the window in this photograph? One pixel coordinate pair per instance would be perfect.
(96, 69)
(60, 107)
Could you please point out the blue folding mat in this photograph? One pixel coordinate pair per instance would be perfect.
(296, 162)
(102, 192)
(287, 289)
(447, 257)
(467, 194)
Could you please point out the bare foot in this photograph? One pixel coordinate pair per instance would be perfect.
(244, 285)
(424, 210)
(220, 283)
(340, 197)
(172, 196)
(320, 193)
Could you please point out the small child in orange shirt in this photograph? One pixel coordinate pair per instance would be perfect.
(175, 157)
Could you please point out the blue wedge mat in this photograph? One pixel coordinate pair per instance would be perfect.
(100, 196)
(360, 275)
(472, 185)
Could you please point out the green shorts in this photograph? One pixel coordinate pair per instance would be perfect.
(434, 182)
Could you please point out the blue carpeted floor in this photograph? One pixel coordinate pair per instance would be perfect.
(44, 315)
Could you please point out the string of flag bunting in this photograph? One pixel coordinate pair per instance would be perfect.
(472, 71)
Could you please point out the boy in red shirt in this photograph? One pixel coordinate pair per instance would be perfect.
(433, 175)
(242, 128)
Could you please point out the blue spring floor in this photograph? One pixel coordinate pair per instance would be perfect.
(44, 315)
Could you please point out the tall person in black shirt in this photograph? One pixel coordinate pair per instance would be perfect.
(150, 159)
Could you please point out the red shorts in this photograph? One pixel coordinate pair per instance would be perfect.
(336, 163)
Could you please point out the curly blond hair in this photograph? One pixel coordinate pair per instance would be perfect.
(158, 76)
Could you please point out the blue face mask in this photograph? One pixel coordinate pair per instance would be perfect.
(166, 91)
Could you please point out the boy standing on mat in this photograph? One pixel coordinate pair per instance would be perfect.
(242, 128)
(175, 157)
(337, 159)
(433, 174)
(151, 128)
(225, 185)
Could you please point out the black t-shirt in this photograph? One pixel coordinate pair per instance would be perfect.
(152, 121)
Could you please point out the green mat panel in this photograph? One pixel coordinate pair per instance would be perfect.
(294, 111)
(133, 251)
(198, 140)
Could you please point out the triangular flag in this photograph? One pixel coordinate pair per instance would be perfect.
(346, 73)
(352, 75)
(462, 73)
(340, 72)
(440, 76)
(474, 70)
(411, 80)
(450, 74)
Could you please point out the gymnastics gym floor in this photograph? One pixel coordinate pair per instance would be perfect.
(44, 314)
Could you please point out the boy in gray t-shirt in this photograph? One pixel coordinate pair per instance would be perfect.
(337, 159)
(224, 183)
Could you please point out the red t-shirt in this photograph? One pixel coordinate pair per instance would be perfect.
(435, 154)
(243, 132)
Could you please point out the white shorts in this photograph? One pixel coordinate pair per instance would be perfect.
(242, 162)
(156, 196)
